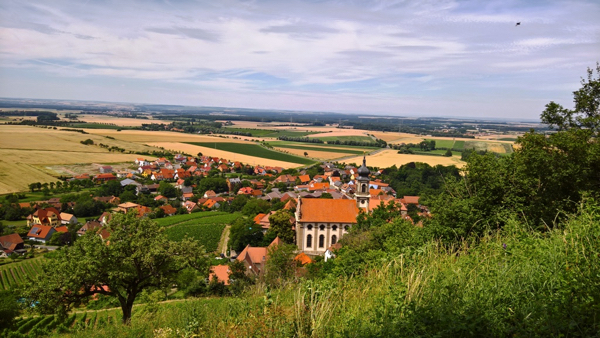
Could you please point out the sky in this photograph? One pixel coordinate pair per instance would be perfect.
(407, 58)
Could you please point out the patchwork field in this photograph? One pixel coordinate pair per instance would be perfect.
(389, 157)
(15, 274)
(247, 159)
(254, 150)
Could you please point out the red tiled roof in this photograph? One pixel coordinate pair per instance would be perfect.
(221, 272)
(169, 209)
(410, 200)
(11, 241)
(328, 210)
(303, 259)
(39, 231)
(62, 229)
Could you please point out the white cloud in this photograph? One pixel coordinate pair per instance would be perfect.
(371, 56)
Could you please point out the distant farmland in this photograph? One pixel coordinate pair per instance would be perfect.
(252, 150)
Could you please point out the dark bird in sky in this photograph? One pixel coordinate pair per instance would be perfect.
(518, 24)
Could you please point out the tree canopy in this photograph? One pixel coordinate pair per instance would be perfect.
(136, 256)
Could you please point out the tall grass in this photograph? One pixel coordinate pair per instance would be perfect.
(516, 283)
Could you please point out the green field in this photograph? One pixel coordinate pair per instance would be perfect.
(347, 138)
(208, 235)
(460, 145)
(253, 150)
(96, 126)
(507, 139)
(317, 148)
(442, 143)
(171, 220)
(15, 274)
(271, 133)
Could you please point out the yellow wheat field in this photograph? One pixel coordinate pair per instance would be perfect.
(119, 121)
(390, 157)
(246, 159)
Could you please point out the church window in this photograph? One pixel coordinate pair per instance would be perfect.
(321, 241)
(346, 228)
(334, 228)
(333, 239)
(309, 227)
(321, 227)
(309, 241)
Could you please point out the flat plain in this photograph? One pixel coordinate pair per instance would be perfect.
(389, 157)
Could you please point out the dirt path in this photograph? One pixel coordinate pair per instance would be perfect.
(222, 248)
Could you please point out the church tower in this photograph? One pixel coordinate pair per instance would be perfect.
(362, 194)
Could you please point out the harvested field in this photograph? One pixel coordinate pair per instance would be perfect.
(340, 132)
(119, 121)
(194, 149)
(27, 151)
(389, 157)
(144, 136)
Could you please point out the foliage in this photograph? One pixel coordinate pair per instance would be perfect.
(281, 226)
(280, 267)
(244, 232)
(136, 256)
(255, 206)
(8, 308)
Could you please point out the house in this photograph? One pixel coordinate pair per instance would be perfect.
(254, 258)
(318, 186)
(89, 225)
(82, 177)
(169, 210)
(265, 223)
(189, 206)
(105, 218)
(47, 216)
(410, 200)
(220, 272)
(105, 169)
(232, 183)
(285, 179)
(129, 181)
(211, 204)
(143, 211)
(125, 207)
(104, 178)
(209, 194)
(40, 233)
(330, 253)
(246, 191)
(304, 179)
(161, 198)
(67, 218)
(11, 243)
(223, 168)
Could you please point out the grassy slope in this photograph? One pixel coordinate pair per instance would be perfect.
(253, 150)
(514, 284)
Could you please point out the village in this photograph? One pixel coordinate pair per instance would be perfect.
(322, 202)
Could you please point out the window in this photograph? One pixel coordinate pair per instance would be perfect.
(321, 227)
(309, 241)
(364, 188)
(321, 241)
(333, 239)
(309, 227)
(346, 228)
(334, 228)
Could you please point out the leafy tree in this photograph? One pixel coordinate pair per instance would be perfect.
(167, 190)
(305, 154)
(137, 256)
(280, 266)
(255, 206)
(281, 226)
(9, 309)
(244, 232)
(448, 153)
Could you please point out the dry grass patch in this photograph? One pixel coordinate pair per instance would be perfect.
(389, 157)
(145, 136)
(193, 149)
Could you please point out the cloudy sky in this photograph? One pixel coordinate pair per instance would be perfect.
(417, 57)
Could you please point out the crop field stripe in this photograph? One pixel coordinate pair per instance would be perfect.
(252, 150)
(2, 281)
(336, 150)
(16, 275)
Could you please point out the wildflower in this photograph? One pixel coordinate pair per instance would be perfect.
(504, 246)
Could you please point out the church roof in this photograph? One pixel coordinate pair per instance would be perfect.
(363, 171)
(328, 210)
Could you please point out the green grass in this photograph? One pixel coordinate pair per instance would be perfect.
(459, 145)
(507, 139)
(253, 150)
(321, 145)
(208, 235)
(168, 221)
(442, 143)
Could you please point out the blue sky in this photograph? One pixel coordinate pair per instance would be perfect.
(409, 58)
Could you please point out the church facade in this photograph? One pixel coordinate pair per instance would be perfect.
(320, 223)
